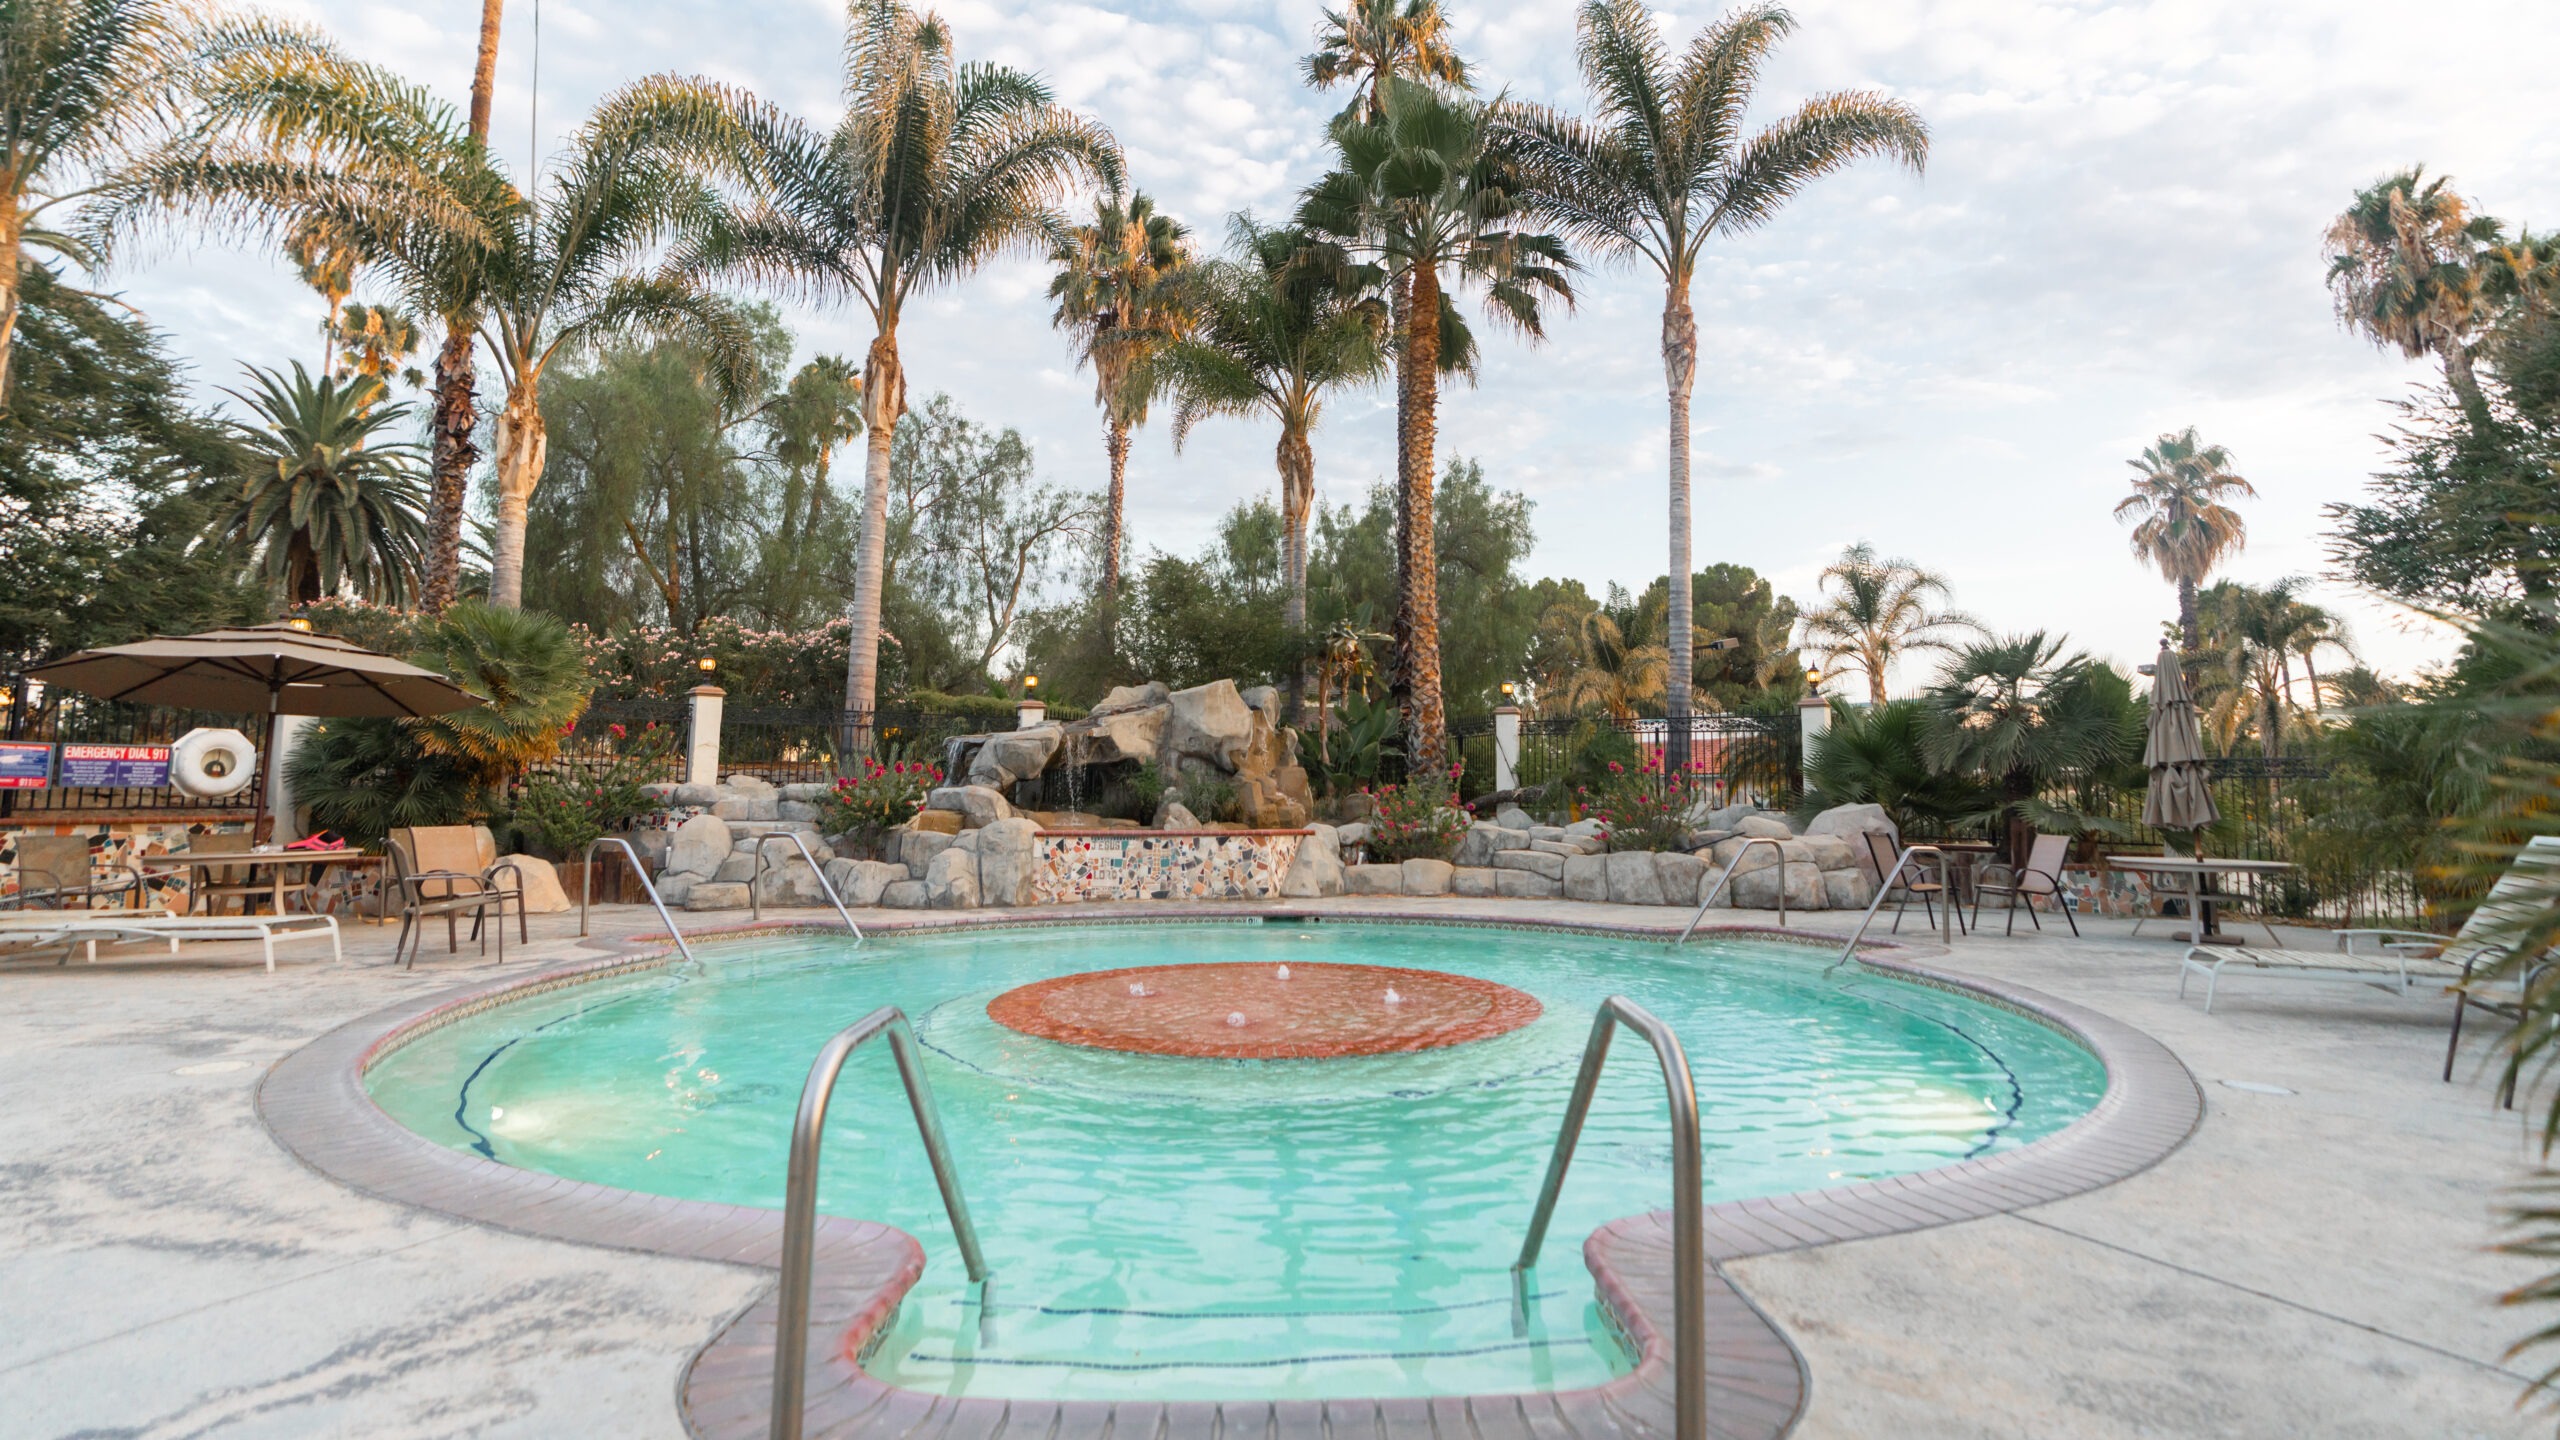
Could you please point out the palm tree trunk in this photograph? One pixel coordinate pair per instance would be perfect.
(451, 456)
(2311, 669)
(484, 75)
(1680, 369)
(1297, 462)
(9, 261)
(1115, 444)
(2466, 385)
(884, 400)
(1417, 678)
(523, 445)
(2190, 637)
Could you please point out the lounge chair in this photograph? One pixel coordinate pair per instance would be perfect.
(2486, 934)
(72, 929)
(440, 870)
(2389, 971)
(2040, 876)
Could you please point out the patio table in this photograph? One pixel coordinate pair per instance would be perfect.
(275, 862)
(2196, 870)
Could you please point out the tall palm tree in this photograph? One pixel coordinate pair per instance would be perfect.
(2406, 269)
(1119, 293)
(1277, 332)
(820, 410)
(2181, 522)
(2252, 634)
(2313, 628)
(935, 168)
(326, 505)
(81, 81)
(1367, 41)
(1874, 610)
(484, 69)
(1423, 193)
(1665, 166)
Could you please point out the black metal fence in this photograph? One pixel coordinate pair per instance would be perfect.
(79, 720)
(1759, 758)
(798, 746)
(647, 733)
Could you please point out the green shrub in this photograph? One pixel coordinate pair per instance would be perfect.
(561, 811)
(1642, 808)
(1418, 820)
(1211, 797)
(867, 806)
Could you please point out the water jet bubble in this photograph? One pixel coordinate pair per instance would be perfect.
(1283, 974)
(1235, 1017)
(1392, 997)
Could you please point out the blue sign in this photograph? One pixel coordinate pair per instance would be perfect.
(123, 766)
(25, 765)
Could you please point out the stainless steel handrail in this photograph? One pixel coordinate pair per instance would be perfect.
(1688, 1198)
(755, 883)
(586, 889)
(800, 1202)
(1947, 892)
(1729, 867)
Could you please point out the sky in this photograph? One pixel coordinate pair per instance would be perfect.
(2117, 235)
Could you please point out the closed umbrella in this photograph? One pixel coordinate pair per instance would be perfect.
(2179, 796)
(280, 669)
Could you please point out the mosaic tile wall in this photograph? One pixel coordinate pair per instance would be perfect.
(114, 844)
(1150, 865)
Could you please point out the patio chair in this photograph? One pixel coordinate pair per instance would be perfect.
(217, 883)
(437, 870)
(59, 872)
(2041, 876)
(2484, 938)
(1880, 849)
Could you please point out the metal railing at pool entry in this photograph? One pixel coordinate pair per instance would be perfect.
(587, 890)
(755, 882)
(1735, 864)
(800, 1202)
(1688, 1199)
(1947, 920)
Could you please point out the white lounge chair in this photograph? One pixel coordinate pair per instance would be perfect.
(71, 929)
(2486, 934)
(2393, 971)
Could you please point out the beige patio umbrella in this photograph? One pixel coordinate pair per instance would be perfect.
(2180, 796)
(280, 669)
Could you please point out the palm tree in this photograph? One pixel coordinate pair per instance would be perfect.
(1606, 657)
(1665, 167)
(1119, 292)
(1423, 192)
(326, 505)
(1367, 41)
(2312, 628)
(2181, 523)
(1277, 332)
(1874, 610)
(818, 411)
(2406, 270)
(2019, 713)
(2251, 635)
(935, 168)
(484, 69)
(81, 81)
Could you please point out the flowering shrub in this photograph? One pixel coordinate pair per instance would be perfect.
(561, 808)
(1418, 820)
(877, 801)
(1643, 808)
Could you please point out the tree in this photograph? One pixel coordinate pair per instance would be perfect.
(2019, 713)
(934, 168)
(2181, 522)
(1367, 41)
(1120, 293)
(1607, 656)
(1665, 167)
(1277, 332)
(819, 411)
(1742, 634)
(2251, 636)
(325, 504)
(1424, 192)
(1875, 610)
(2406, 271)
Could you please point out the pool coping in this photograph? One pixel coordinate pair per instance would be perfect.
(314, 1103)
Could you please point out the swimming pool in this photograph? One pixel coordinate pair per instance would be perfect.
(1169, 1227)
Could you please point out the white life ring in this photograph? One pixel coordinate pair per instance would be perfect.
(210, 764)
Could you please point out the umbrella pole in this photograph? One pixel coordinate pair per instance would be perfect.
(266, 766)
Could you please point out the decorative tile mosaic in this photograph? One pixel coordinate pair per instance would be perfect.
(113, 846)
(1161, 865)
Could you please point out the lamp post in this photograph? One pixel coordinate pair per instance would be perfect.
(1029, 710)
(1813, 716)
(1506, 739)
(702, 737)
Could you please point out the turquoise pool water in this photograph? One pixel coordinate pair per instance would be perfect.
(1172, 1228)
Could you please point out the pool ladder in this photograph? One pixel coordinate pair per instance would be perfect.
(755, 883)
(1688, 1200)
(800, 1202)
(1948, 919)
(587, 889)
(1729, 867)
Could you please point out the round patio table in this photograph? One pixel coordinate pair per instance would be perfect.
(274, 862)
(2196, 872)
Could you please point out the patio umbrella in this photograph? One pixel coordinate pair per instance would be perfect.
(2179, 797)
(280, 669)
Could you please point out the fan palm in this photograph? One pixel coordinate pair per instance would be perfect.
(2020, 714)
(935, 168)
(1605, 657)
(2181, 522)
(1277, 332)
(326, 505)
(1423, 194)
(1119, 292)
(2406, 270)
(1874, 610)
(1665, 167)
(1366, 41)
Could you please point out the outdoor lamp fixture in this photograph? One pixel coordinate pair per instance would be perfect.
(1030, 683)
(1509, 690)
(1723, 642)
(706, 664)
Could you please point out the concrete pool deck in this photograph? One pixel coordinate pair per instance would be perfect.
(2307, 1263)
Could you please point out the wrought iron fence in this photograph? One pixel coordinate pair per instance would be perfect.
(615, 732)
(1733, 757)
(796, 746)
(80, 720)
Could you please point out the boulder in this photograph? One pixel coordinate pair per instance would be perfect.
(675, 889)
(1130, 697)
(859, 882)
(542, 892)
(1476, 882)
(796, 810)
(712, 895)
(1355, 833)
(1852, 824)
(748, 807)
(1586, 877)
(1631, 878)
(1207, 722)
(1316, 871)
(1526, 884)
(976, 805)
(951, 881)
(1292, 781)
(789, 881)
(1427, 877)
(1174, 815)
(904, 895)
(1557, 847)
(699, 796)
(700, 844)
(916, 849)
(1477, 846)
(1008, 853)
(650, 844)
(1585, 830)
(808, 792)
(1014, 756)
(750, 785)
(1831, 852)
(1512, 817)
(738, 869)
(1680, 876)
(1763, 827)
(941, 822)
(1546, 832)
(1847, 889)
(1373, 880)
(1265, 698)
(1103, 738)
(1758, 889)
(1730, 816)
(1531, 862)
(1754, 857)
